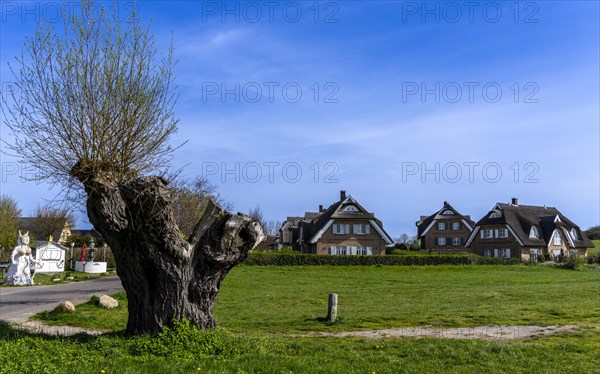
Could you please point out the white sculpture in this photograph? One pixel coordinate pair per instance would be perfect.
(19, 272)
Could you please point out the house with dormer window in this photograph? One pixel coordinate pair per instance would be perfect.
(527, 232)
(445, 230)
(344, 228)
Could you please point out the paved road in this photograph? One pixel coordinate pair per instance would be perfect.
(17, 304)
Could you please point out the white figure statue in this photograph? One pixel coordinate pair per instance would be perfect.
(19, 272)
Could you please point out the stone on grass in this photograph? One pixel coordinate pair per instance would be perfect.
(107, 302)
(65, 306)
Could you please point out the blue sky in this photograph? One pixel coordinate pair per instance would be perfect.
(402, 104)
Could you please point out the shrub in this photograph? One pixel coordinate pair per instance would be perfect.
(570, 263)
(186, 341)
(95, 299)
(593, 258)
(276, 259)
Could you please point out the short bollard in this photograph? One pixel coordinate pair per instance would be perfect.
(332, 307)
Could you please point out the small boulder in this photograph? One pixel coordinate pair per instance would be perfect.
(65, 306)
(107, 302)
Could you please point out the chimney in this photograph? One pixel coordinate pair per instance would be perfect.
(515, 201)
(342, 195)
(445, 203)
(320, 208)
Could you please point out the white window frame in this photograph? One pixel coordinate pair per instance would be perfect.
(504, 252)
(441, 241)
(488, 252)
(533, 232)
(441, 226)
(448, 212)
(341, 228)
(455, 226)
(495, 215)
(502, 233)
(456, 241)
(574, 234)
(339, 250)
(534, 254)
(573, 253)
(350, 208)
(487, 234)
(364, 251)
(361, 229)
(556, 239)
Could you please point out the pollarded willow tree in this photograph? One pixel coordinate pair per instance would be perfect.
(95, 115)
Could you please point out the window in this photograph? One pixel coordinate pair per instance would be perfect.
(441, 226)
(350, 208)
(495, 215)
(504, 253)
(456, 241)
(573, 253)
(448, 212)
(487, 252)
(533, 233)
(556, 239)
(487, 234)
(441, 241)
(340, 250)
(361, 229)
(455, 225)
(574, 234)
(534, 254)
(364, 251)
(502, 233)
(341, 228)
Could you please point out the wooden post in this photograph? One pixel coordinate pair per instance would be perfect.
(332, 307)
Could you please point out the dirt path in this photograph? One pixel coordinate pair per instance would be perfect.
(40, 328)
(489, 332)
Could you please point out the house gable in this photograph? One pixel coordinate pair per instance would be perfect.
(315, 233)
(531, 226)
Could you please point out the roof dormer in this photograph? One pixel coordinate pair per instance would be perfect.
(534, 233)
(574, 234)
(351, 208)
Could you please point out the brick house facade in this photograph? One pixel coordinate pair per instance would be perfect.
(527, 232)
(345, 228)
(445, 230)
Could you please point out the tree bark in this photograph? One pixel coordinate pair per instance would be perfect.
(166, 277)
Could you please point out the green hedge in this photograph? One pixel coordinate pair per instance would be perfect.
(278, 259)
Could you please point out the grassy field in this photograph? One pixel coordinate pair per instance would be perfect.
(259, 307)
(289, 299)
(294, 299)
(187, 351)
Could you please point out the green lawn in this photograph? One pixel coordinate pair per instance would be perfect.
(63, 277)
(185, 351)
(89, 315)
(261, 300)
(285, 299)
(259, 306)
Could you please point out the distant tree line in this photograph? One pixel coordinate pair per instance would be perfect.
(593, 233)
(47, 220)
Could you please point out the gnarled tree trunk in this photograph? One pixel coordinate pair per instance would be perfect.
(166, 277)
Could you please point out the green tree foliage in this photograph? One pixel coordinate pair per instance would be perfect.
(9, 214)
(593, 233)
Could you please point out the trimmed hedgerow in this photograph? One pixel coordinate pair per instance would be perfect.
(279, 259)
